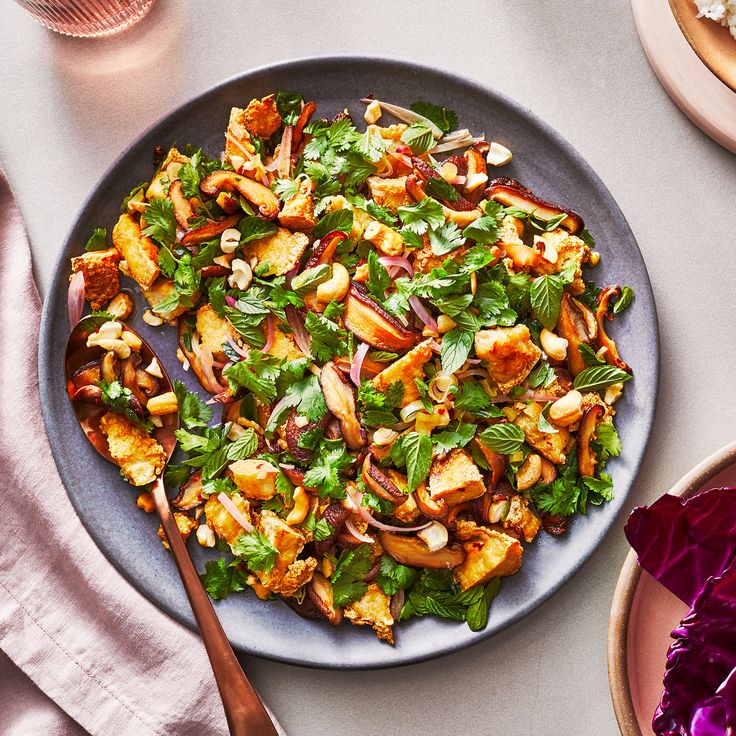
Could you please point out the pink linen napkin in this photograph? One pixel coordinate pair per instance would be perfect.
(111, 660)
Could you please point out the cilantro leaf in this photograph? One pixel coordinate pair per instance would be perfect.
(483, 230)
(475, 400)
(324, 474)
(97, 241)
(393, 576)
(601, 488)
(328, 339)
(289, 105)
(445, 239)
(370, 146)
(417, 218)
(117, 398)
(457, 435)
(347, 580)
(256, 373)
(285, 189)
(607, 441)
(220, 578)
(193, 412)
(160, 221)
(257, 550)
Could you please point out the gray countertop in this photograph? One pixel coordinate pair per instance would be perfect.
(70, 106)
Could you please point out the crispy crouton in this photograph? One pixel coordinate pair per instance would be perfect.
(167, 172)
(237, 138)
(262, 117)
(521, 519)
(424, 260)
(282, 251)
(553, 445)
(139, 456)
(389, 193)
(561, 250)
(488, 554)
(138, 250)
(373, 609)
(509, 353)
(387, 240)
(221, 521)
(101, 276)
(255, 478)
(185, 523)
(214, 331)
(158, 292)
(405, 370)
(455, 478)
(298, 212)
(288, 573)
(508, 231)
(409, 510)
(284, 346)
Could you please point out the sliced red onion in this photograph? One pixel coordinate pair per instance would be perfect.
(204, 356)
(283, 160)
(294, 271)
(404, 150)
(230, 301)
(357, 365)
(234, 511)
(358, 535)
(357, 498)
(221, 398)
(301, 336)
(269, 333)
(75, 298)
(243, 352)
(397, 261)
(435, 345)
(423, 313)
(278, 408)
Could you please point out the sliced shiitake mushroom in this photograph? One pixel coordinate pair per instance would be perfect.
(325, 249)
(109, 367)
(128, 377)
(210, 231)
(340, 400)
(256, 193)
(294, 432)
(586, 434)
(335, 515)
(190, 493)
(578, 326)
(425, 172)
(512, 193)
(381, 483)
(304, 117)
(183, 211)
(433, 508)
(373, 324)
(87, 374)
(413, 551)
(320, 591)
(497, 462)
(602, 314)
(146, 382)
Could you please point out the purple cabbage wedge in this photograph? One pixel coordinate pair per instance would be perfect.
(690, 546)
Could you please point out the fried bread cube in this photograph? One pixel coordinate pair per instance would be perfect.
(424, 260)
(255, 478)
(185, 523)
(221, 521)
(373, 609)
(138, 250)
(214, 331)
(455, 478)
(262, 117)
(553, 445)
(488, 554)
(563, 249)
(101, 275)
(389, 193)
(405, 370)
(509, 353)
(298, 212)
(284, 346)
(521, 519)
(138, 454)
(288, 574)
(160, 291)
(282, 251)
(166, 173)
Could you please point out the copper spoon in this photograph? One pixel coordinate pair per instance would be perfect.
(245, 713)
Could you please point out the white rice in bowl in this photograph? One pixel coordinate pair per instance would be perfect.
(720, 11)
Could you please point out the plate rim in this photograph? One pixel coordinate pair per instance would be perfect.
(626, 586)
(648, 321)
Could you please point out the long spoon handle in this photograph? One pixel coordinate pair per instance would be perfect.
(244, 710)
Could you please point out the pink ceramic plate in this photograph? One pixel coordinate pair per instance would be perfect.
(644, 613)
(709, 103)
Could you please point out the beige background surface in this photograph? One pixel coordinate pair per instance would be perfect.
(69, 106)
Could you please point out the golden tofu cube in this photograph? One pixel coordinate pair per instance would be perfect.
(488, 554)
(101, 275)
(138, 454)
(405, 370)
(282, 251)
(159, 291)
(138, 250)
(298, 212)
(167, 172)
(373, 609)
(509, 353)
(409, 510)
(284, 346)
(255, 478)
(389, 193)
(455, 478)
(184, 523)
(386, 239)
(221, 521)
(214, 331)
(262, 117)
(553, 445)
(565, 249)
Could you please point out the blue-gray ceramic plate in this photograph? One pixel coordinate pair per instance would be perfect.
(545, 163)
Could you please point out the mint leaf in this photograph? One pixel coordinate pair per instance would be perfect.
(504, 438)
(417, 451)
(418, 137)
(456, 345)
(546, 297)
(253, 228)
(97, 241)
(624, 300)
(444, 119)
(599, 376)
(341, 220)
